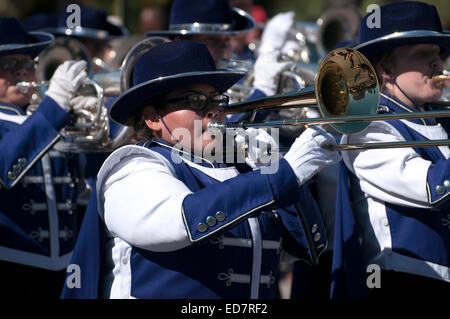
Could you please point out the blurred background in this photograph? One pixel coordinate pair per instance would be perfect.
(144, 15)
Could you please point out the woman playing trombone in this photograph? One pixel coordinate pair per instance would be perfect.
(178, 225)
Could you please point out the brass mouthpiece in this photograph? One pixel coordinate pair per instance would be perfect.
(440, 78)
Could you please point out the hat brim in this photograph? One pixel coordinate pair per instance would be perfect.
(127, 102)
(243, 22)
(40, 40)
(377, 46)
(82, 32)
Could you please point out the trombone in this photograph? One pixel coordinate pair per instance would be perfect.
(347, 94)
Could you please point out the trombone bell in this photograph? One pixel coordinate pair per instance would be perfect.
(346, 85)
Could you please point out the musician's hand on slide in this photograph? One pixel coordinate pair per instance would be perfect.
(307, 156)
(260, 146)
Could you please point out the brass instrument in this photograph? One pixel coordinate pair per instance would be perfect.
(340, 22)
(90, 131)
(440, 78)
(347, 95)
(126, 76)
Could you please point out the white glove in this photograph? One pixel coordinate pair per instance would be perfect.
(275, 32)
(84, 105)
(307, 157)
(261, 147)
(66, 81)
(267, 72)
(267, 68)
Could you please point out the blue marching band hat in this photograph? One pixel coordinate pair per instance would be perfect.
(166, 67)
(15, 40)
(40, 21)
(209, 17)
(94, 24)
(402, 23)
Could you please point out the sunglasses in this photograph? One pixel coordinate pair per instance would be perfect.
(199, 102)
(14, 64)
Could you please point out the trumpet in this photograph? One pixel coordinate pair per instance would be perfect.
(347, 94)
(440, 78)
(90, 130)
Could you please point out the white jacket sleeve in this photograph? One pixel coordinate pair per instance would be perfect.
(141, 200)
(397, 176)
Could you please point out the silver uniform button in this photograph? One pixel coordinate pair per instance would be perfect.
(220, 216)
(211, 221)
(314, 228)
(11, 175)
(22, 161)
(440, 189)
(16, 168)
(447, 183)
(317, 237)
(201, 227)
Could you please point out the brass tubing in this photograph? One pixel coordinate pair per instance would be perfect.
(382, 145)
(375, 145)
(440, 78)
(330, 120)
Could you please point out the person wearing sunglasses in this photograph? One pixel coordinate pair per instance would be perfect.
(171, 222)
(38, 186)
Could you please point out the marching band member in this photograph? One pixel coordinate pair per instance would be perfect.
(38, 214)
(178, 225)
(214, 23)
(94, 32)
(399, 197)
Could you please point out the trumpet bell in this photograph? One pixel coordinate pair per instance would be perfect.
(126, 77)
(347, 85)
(340, 22)
(60, 50)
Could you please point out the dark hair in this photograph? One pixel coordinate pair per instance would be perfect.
(383, 60)
(141, 131)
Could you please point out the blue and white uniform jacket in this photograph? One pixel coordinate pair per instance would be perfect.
(37, 190)
(187, 228)
(401, 197)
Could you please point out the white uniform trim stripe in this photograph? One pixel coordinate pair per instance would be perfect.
(401, 106)
(40, 180)
(35, 260)
(19, 119)
(35, 159)
(51, 204)
(245, 243)
(257, 257)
